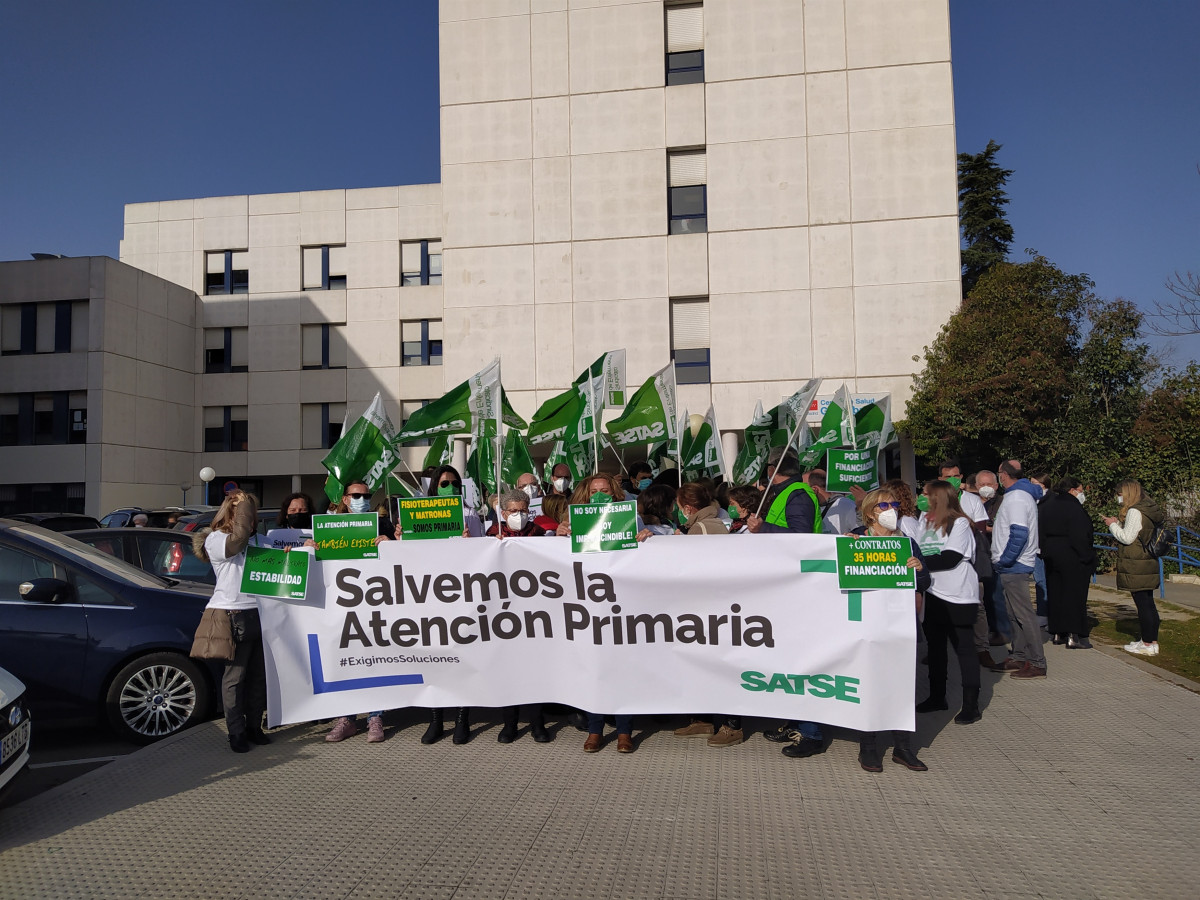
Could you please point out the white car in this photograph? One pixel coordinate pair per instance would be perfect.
(15, 728)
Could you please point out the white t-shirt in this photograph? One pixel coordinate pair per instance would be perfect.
(960, 584)
(973, 507)
(228, 594)
(909, 527)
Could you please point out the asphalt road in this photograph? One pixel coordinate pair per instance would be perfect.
(59, 754)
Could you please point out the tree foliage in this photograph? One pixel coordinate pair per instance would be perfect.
(986, 232)
(1036, 367)
(1181, 314)
(1165, 451)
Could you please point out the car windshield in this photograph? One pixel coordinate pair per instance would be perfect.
(91, 557)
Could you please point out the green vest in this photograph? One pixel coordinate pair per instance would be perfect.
(777, 514)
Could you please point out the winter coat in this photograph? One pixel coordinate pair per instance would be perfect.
(1065, 532)
(705, 521)
(1137, 570)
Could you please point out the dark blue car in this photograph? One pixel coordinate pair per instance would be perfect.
(95, 637)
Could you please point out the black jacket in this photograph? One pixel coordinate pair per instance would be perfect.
(1065, 532)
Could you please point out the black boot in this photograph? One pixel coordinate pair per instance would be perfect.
(970, 708)
(537, 725)
(933, 703)
(462, 725)
(238, 743)
(434, 732)
(509, 732)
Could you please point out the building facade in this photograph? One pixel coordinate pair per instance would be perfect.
(763, 191)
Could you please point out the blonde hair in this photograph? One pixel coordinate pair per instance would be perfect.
(1131, 495)
(223, 520)
(583, 490)
(870, 504)
(948, 507)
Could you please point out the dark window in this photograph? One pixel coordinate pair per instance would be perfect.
(18, 329)
(223, 348)
(421, 343)
(9, 429)
(78, 426)
(685, 68)
(688, 209)
(420, 262)
(226, 272)
(330, 431)
(232, 432)
(62, 326)
(692, 367)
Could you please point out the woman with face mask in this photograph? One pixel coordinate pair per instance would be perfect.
(951, 604)
(1137, 570)
(881, 518)
(296, 511)
(1065, 535)
(356, 498)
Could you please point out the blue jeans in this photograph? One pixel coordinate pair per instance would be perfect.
(1039, 581)
(596, 724)
(1003, 623)
(810, 730)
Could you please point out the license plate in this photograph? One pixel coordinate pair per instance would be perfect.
(14, 743)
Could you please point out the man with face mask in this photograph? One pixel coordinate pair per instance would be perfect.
(560, 480)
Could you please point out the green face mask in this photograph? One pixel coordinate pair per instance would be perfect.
(733, 512)
(447, 490)
(956, 481)
(923, 503)
(680, 517)
(601, 497)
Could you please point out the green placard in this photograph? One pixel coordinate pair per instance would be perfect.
(596, 528)
(874, 563)
(275, 573)
(851, 468)
(351, 536)
(422, 518)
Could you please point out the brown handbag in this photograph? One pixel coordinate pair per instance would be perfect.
(214, 637)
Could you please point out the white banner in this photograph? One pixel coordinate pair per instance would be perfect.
(756, 626)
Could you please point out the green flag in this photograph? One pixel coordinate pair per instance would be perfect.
(517, 460)
(558, 454)
(836, 430)
(557, 418)
(569, 416)
(459, 410)
(649, 417)
(364, 453)
(703, 456)
(398, 487)
(771, 429)
(440, 452)
(481, 461)
(873, 425)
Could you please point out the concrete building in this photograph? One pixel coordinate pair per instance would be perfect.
(762, 190)
(97, 380)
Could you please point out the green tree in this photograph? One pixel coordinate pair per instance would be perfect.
(1165, 455)
(999, 374)
(986, 233)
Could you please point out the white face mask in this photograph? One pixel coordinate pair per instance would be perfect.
(1120, 499)
(888, 519)
(532, 490)
(1081, 497)
(987, 492)
(516, 521)
(561, 484)
(360, 505)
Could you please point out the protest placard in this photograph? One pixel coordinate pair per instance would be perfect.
(597, 528)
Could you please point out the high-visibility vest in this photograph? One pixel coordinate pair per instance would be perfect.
(777, 514)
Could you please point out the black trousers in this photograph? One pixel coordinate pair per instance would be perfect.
(509, 715)
(1066, 596)
(1148, 618)
(953, 622)
(244, 683)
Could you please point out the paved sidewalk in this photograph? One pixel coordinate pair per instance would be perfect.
(1082, 785)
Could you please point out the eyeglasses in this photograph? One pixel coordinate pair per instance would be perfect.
(888, 504)
(359, 496)
(444, 483)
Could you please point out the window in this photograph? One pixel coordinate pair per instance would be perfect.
(77, 417)
(225, 429)
(325, 268)
(16, 567)
(227, 272)
(421, 342)
(46, 497)
(420, 262)
(687, 201)
(226, 349)
(56, 327)
(10, 420)
(690, 341)
(45, 418)
(407, 408)
(321, 424)
(322, 346)
(685, 43)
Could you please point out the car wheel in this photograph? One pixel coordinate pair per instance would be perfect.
(156, 696)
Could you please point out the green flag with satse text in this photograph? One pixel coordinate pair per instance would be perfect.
(517, 460)
(649, 417)
(836, 430)
(570, 416)
(459, 410)
(770, 430)
(364, 452)
(558, 454)
(703, 456)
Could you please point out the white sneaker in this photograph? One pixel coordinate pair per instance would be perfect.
(1134, 647)
(1151, 649)
(1143, 649)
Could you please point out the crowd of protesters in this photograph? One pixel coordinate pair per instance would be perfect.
(1001, 560)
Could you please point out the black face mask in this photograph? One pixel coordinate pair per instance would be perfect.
(299, 520)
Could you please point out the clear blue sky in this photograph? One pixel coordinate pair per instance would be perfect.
(1097, 105)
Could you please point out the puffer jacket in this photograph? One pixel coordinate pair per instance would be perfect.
(705, 521)
(1137, 570)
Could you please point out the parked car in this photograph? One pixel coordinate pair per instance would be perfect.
(160, 551)
(92, 636)
(266, 520)
(166, 517)
(15, 728)
(57, 521)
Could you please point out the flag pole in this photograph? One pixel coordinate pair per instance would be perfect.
(786, 448)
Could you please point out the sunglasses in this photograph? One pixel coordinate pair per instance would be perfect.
(359, 496)
(444, 483)
(888, 504)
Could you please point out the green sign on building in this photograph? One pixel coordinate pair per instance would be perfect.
(596, 528)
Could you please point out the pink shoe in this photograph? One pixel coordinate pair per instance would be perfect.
(342, 729)
(375, 730)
